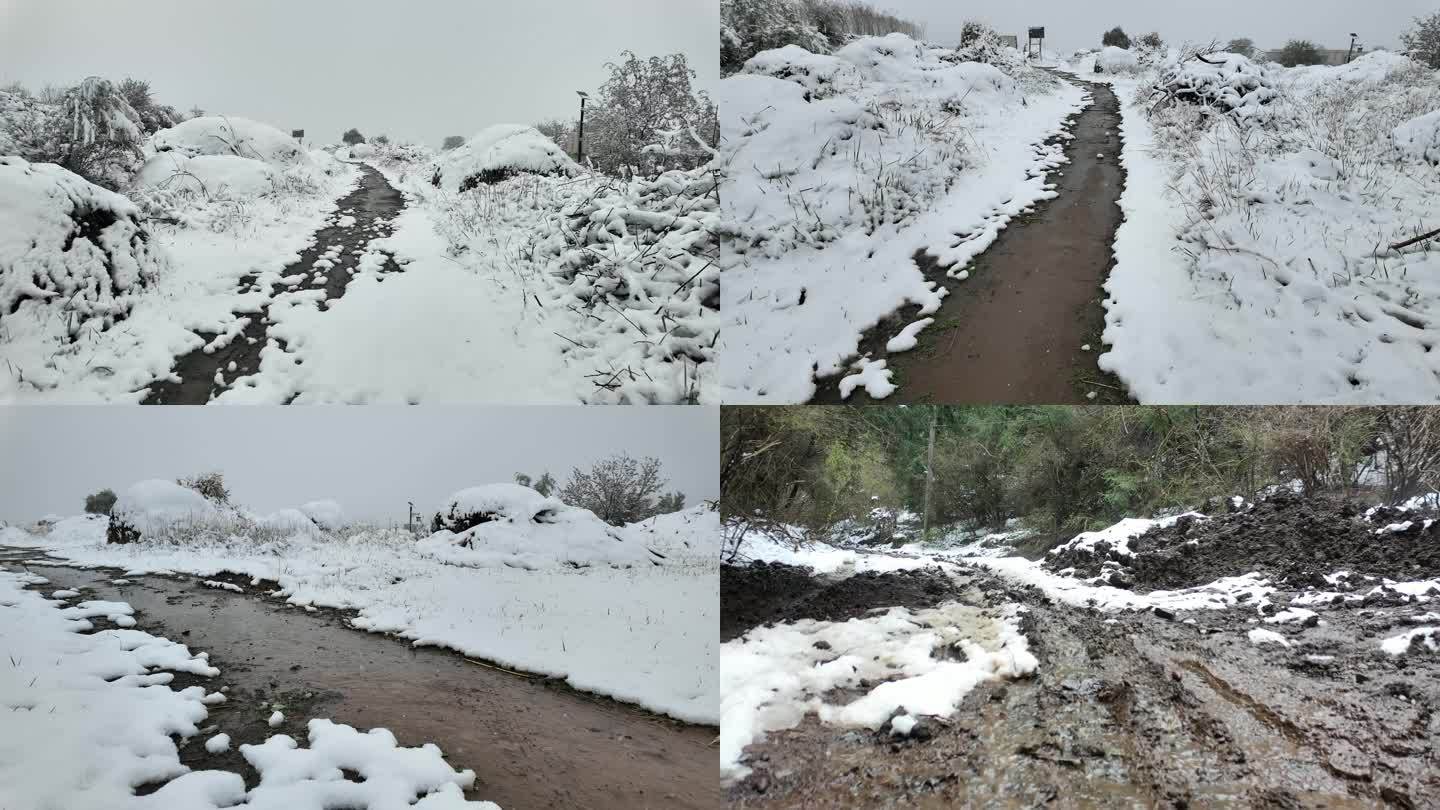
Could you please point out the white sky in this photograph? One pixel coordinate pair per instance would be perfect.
(1070, 24)
(417, 71)
(371, 459)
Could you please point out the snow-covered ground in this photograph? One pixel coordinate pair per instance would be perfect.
(1254, 263)
(89, 717)
(838, 168)
(636, 626)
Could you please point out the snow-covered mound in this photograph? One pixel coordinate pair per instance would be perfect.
(72, 245)
(690, 533)
(155, 505)
(511, 525)
(1419, 138)
(1116, 60)
(326, 514)
(288, 521)
(498, 152)
(1226, 82)
(821, 75)
(213, 176)
(225, 135)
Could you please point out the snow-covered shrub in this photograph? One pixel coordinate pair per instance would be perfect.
(498, 153)
(639, 257)
(326, 514)
(152, 506)
(821, 75)
(1225, 82)
(515, 526)
(211, 176)
(641, 101)
(226, 135)
(289, 521)
(748, 27)
(1419, 138)
(89, 129)
(987, 48)
(1117, 60)
(70, 245)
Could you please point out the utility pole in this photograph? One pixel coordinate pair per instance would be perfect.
(929, 475)
(580, 139)
(411, 524)
(1351, 54)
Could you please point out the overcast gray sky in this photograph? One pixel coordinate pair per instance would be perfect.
(1070, 24)
(419, 70)
(371, 459)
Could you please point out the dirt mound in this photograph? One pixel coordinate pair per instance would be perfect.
(1293, 540)
(765, 593)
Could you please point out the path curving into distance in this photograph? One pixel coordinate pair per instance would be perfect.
(374, 204)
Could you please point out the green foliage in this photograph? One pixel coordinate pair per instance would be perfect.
(352, 136)
(1115, 36)
(1300, 52)
(100, 503)
(1243, 46)
(1152, 40)
(453, 142)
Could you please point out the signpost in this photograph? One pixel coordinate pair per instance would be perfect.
(1035, 44)
(297, 134)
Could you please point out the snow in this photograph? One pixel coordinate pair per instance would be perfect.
(1252, 264)
(870, 375)
(227, 135)
(326, 514)
(1260, 637)
(1120, 534)
(1114, 59)
(827, 200)
(902, 725)
(643, 634)
(1405, 642)
(1291, 615)
(53, 266)
(1419, 138)
(524, 529)
(1222, 593)
(218, 744)
(772, 677)
(91, 716)
(276, 720)
(502, 149)
(155, 505)
(906, 340)
(217, 177)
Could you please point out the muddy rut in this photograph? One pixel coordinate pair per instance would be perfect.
(1013, 332)
(374, 205)
(531, 744)
(1137, 711)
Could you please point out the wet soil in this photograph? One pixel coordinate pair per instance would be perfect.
(765, 593)
(1136, 711)
(532, 744)
(374, 205)
(1013, 331)
(1292, 540)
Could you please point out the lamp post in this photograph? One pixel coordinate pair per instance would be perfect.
(1351, 54)
(580, 140)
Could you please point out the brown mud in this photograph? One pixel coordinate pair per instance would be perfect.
(374, 205)
(1132, 710)
(1013, 331)
(531, 744)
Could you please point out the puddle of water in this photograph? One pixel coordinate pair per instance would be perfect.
(530, 745)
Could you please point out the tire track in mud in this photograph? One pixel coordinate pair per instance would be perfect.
(1132, 710)
(532, 743)
(1013, 331)
(374, 205)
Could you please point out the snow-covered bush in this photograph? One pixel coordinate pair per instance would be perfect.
(515, 526)
(1225, 82)
(498, 153)
(639, 257)
(211, 176)
(71, 246)
(987, 48)
(150, 507)
(748, 27)
(89, 129)
(1419, 138)
(821, 75)
(326, 514)
(1117, 60)
(226, 135)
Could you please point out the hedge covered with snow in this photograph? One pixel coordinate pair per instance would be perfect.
(499, 152)
(226, 135)
(1116, 60)
(72, 245)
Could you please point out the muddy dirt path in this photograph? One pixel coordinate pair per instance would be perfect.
(530, 745)
(1139, 711)
(374, 205)
(1013, 332)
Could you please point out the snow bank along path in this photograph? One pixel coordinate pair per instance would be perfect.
(89, 717)
(228, 366)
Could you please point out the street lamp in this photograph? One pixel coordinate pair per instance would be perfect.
(1351, 54)
(580, 140)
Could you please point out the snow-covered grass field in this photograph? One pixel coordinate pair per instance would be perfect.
(838, 169)
(619, 626)
(90, 717)
(1255, 261)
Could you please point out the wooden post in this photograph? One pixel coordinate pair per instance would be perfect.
(929, 475)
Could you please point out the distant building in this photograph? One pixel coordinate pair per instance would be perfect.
(1010, 40)
(1328, 56)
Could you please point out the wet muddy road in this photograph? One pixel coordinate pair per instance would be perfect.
(531, 745)
(373, 205)
(1013, 331)
(1139, 711)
